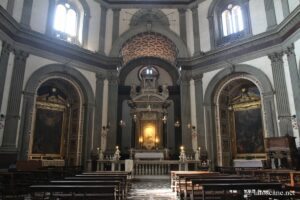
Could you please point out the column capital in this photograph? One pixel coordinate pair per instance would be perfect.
(21, 55)
(198, 77)
(116, 9)
(185, 76)
(194, 9)
(290, 50)
(6, 48)
(112, 76)
(181, 10)
(276, 57)
(100, 76)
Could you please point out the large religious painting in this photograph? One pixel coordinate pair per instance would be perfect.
(48, 131)
(249, 132)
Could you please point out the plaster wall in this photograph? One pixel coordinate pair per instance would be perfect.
(17, 11)
(3, 3)
(125, 18)
(293, 4)
(257, 16)
(94, 26)
(173, 16)
(207, 76)
(190, 32)
(278, 11)
(39, 16)
(204, 26)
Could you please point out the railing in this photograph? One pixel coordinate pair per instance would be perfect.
(148, 167)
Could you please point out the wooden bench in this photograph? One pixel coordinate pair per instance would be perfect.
(224, 190)
(120, 189)
(74, 192)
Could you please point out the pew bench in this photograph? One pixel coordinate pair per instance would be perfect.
(74, 192)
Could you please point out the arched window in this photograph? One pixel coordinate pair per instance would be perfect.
(229, 21)
(66, 22)
(232, 20)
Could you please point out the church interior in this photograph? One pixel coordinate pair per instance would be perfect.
(149, 99)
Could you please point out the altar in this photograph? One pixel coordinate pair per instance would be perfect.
(142, 154)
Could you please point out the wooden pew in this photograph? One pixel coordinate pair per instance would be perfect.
(120, 189)
(225, 188)
(74, 192)
(216, 180)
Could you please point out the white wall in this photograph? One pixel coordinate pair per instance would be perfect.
(278, 11)
(108, 33)
(17, 11)
(190, 32)
(3, 3)
(94, 26)
(297, 52)
(207, 78)
(125, 18)
(6, 90)
(91, 78)
(204, 25)
(293, 4)
(39, 15)
(173, 16)
(258, 16)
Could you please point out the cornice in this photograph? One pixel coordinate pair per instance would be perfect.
(253, 46)
(38, 44)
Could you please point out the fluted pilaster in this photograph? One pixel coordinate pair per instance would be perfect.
(116, 23)
(197, 48)
(182, 24)
(14, 100)
(102, 29)
(281, 94)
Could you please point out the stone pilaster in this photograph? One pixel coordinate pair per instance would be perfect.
(14, 101)
(281, 94)
(116, 24)
(25, 125)
(98, 110)
(10, 6)
(285, 8)
(270, 115)
(112, 109)
(197, 48)
(199, 110)
(270, 13)
(6, 49)
(292, 62)
(89, 109)
(26, 13)
(102, 29)
(50, 18)
(185, 109)
(182, 24)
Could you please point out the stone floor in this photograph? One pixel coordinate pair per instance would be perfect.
(147, 189)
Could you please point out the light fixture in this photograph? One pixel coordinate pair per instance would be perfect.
(122, 123)
(107, 127)
(177, 124)
(134, 117)
(164, 119)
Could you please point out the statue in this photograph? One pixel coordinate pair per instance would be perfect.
(133, 90)
(165, 90)
(117, 154)
(100, 154)
(197, 154)
(182, 156)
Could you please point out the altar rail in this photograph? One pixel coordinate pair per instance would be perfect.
(147, 167)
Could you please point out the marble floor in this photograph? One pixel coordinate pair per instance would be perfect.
(150, 189)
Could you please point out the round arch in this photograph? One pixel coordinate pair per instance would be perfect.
(267, 94)
(117, 45)
(155, 16)
(171, 69)
(33, 83)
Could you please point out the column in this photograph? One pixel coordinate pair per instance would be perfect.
(270, 13)
(102, 29)
(6, 49)
(270, 114)
(14, 101)
(199, 110)
(98, 110)
(26, 13)
(26, 124)
(197, 48)
(292, 62)
(116, 22)
(283, 108)
(285, 8)
(87, 132)
(182, 24)
(185, 109)
(10, 6)
(112, 109)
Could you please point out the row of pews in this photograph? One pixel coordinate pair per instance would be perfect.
(58, 184)
(213, 185)
(110, 185)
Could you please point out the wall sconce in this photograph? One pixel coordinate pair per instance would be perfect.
(122, 123)
(134, 117)
(164, 119)
(177, 124)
